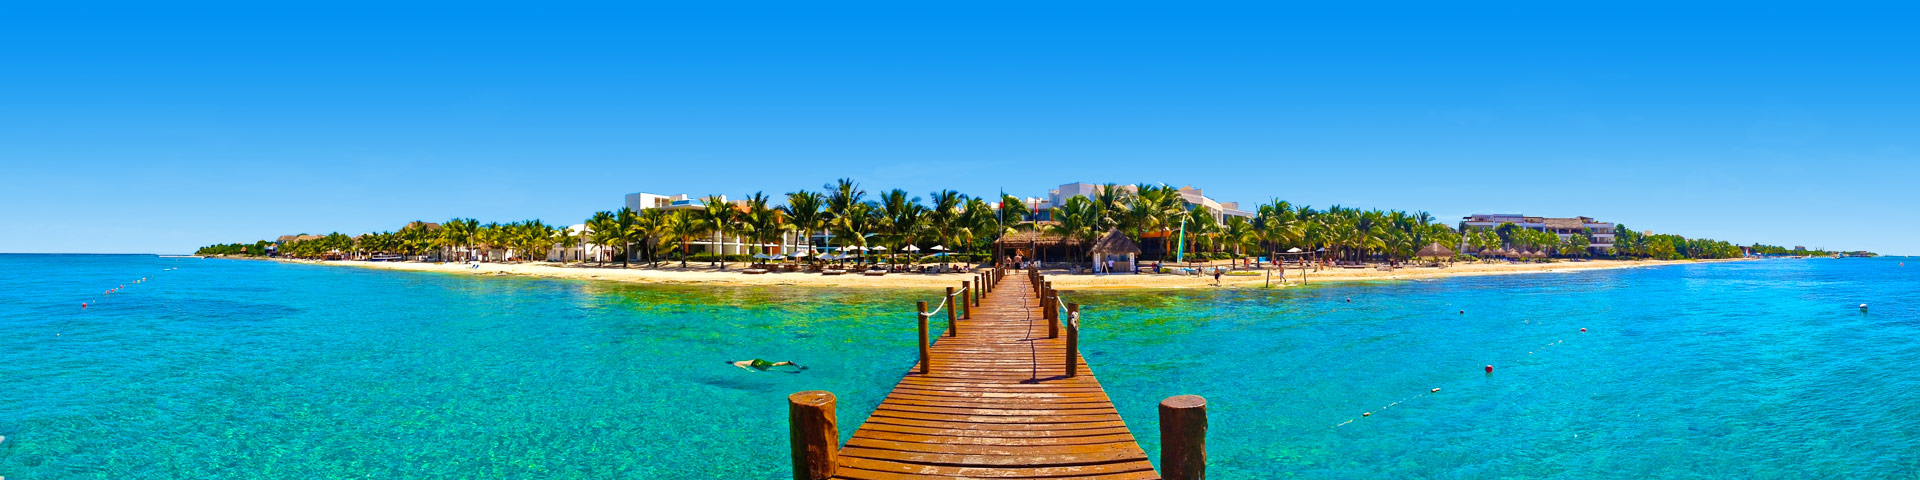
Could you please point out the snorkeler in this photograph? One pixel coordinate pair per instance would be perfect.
(760, 365)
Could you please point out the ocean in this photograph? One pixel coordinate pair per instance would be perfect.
(250, 369)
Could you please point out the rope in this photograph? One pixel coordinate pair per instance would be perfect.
(1432, 391)
(943, 304)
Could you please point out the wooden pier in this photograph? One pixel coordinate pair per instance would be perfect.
(1004, 394)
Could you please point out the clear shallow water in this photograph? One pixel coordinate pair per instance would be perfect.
(236, 368)
(1731, 370)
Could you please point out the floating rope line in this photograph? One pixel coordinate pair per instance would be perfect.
(1435, 390)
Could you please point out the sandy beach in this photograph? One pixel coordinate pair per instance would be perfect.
(707, 275)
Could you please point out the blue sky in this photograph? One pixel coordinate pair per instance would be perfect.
(127, 128)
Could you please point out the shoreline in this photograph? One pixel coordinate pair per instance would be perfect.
(701, 274)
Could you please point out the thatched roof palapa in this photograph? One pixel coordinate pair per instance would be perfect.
(1037, 235)
(1115, 243)
(1435, 251)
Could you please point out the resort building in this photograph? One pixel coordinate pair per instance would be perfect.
(727, 244)
(1193, 197)
(1221, 210)
(1564, 227)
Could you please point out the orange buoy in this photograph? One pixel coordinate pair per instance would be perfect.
(1367, 414)
(1489, 369)
(1435, 390)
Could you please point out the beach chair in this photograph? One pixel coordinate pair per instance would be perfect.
(876, 273)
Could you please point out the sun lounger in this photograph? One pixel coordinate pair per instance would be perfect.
(876, 273)
(754, 271)
(832, 272)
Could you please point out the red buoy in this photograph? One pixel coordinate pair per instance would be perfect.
(1583, 329)
(1463, 312)
(83, 305)
(1489, 369)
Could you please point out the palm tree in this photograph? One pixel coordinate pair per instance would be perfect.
(603, 229)
(648, 227)
(1076, 218)
(758, 222)
(976, 219)
(803, 210)
(943, 215)
(564, 237)
(685, 224)
(842, 196)
(718, 217)
(902, 216)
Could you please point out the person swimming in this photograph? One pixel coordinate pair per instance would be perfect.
(756, 365)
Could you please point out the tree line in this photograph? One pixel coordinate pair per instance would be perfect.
(897, 222)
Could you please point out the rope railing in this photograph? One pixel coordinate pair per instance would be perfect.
(936, 310)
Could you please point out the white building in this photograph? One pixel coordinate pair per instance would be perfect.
(730, 245)
(1191, 196)
(1564, 227)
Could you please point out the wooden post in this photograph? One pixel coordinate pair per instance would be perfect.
(1183, 438)
(966, 298)
(815, 437)
(924, 368)
(1073, 339)
(1049, 301)
(953, 327)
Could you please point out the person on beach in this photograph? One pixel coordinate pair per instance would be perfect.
(758, 365)
(1216, 275)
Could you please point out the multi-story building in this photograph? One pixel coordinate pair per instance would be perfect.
(727, 244)
(1191, 196)
(1564, 227)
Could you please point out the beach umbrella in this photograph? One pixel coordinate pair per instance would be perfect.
(939, 248)
(879, 248)
(1293, 250)
(761, 256)
(799, 254)
(779, 257)
(911, 248)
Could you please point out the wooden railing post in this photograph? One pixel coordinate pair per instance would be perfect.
(1048, 301)
(953, 327)
(1073, 339)
(966, 298)
(1183, 438)
(924, 357)
(815, 436)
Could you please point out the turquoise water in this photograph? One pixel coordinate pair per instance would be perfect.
(225, 369)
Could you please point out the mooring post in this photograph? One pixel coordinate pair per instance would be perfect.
(1073, 339)
(953, 325)
(1183, 438)
(966, 299)
(924, 357)
(815, 437)
(1050, 302)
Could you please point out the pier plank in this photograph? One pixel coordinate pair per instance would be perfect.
(997, 404)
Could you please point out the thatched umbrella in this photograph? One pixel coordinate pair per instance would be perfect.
(1435, 250)
(1116, 243)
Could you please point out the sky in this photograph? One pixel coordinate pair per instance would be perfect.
(157, 129)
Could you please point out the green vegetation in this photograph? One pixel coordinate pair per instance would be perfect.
(900, 227)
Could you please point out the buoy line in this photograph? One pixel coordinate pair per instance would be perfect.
(1435, 390)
